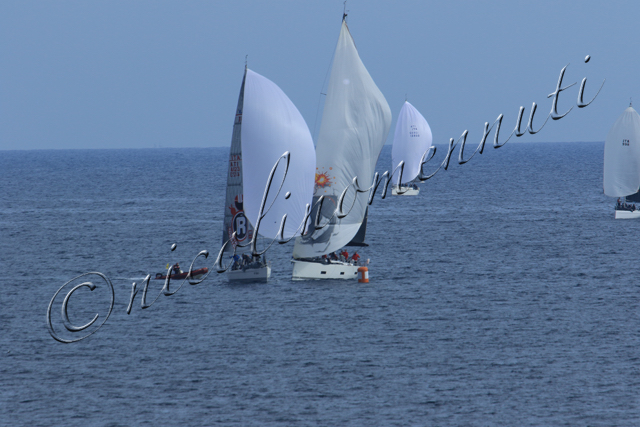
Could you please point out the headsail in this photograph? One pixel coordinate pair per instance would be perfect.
(267, 125)
(622, 156)
(411, 140)
(273, 125)
(355, 123)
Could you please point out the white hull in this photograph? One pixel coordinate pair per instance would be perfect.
(406, 191)
(307, 270)
(260, 274)
(627, 214)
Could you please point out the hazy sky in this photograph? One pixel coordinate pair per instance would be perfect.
(135, 74)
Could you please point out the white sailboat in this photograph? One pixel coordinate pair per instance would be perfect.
(355, 123)
(411, 140)
(622, 163)
(267, 125)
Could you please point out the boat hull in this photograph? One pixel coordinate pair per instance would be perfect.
(620, 214)
(404, 191)
(195, 274)
(309, 270)
(254, 275)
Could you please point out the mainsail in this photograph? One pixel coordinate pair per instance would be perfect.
(411, 140)
(622, 156)
(355, 123)
(267, 125)
(358, 239)
(234, 217)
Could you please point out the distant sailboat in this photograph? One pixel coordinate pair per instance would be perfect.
(355, 123)
(622, 163)
(267, 125)
(411, 140)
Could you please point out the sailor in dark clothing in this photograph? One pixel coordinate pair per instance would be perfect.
(245, 259)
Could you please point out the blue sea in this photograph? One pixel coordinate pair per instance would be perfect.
(504, 294)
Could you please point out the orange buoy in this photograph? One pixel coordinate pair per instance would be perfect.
(363, 275)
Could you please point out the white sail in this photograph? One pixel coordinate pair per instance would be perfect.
(267, 125)
(271, 126)
(355, 123)
(411, 140)
(622, 156)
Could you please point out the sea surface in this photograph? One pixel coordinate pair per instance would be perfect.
(504, 294)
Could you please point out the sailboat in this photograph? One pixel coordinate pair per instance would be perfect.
(622, 163)
(355, 124)
(267, 125)
(411, 140)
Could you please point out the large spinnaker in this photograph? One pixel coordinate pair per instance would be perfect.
(271, 126)
(355, 124)
(622, 156)
(411, 140)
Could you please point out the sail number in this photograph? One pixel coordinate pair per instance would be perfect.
(234, 165)
(625, 142)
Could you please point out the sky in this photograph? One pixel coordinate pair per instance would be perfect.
(145, 74)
